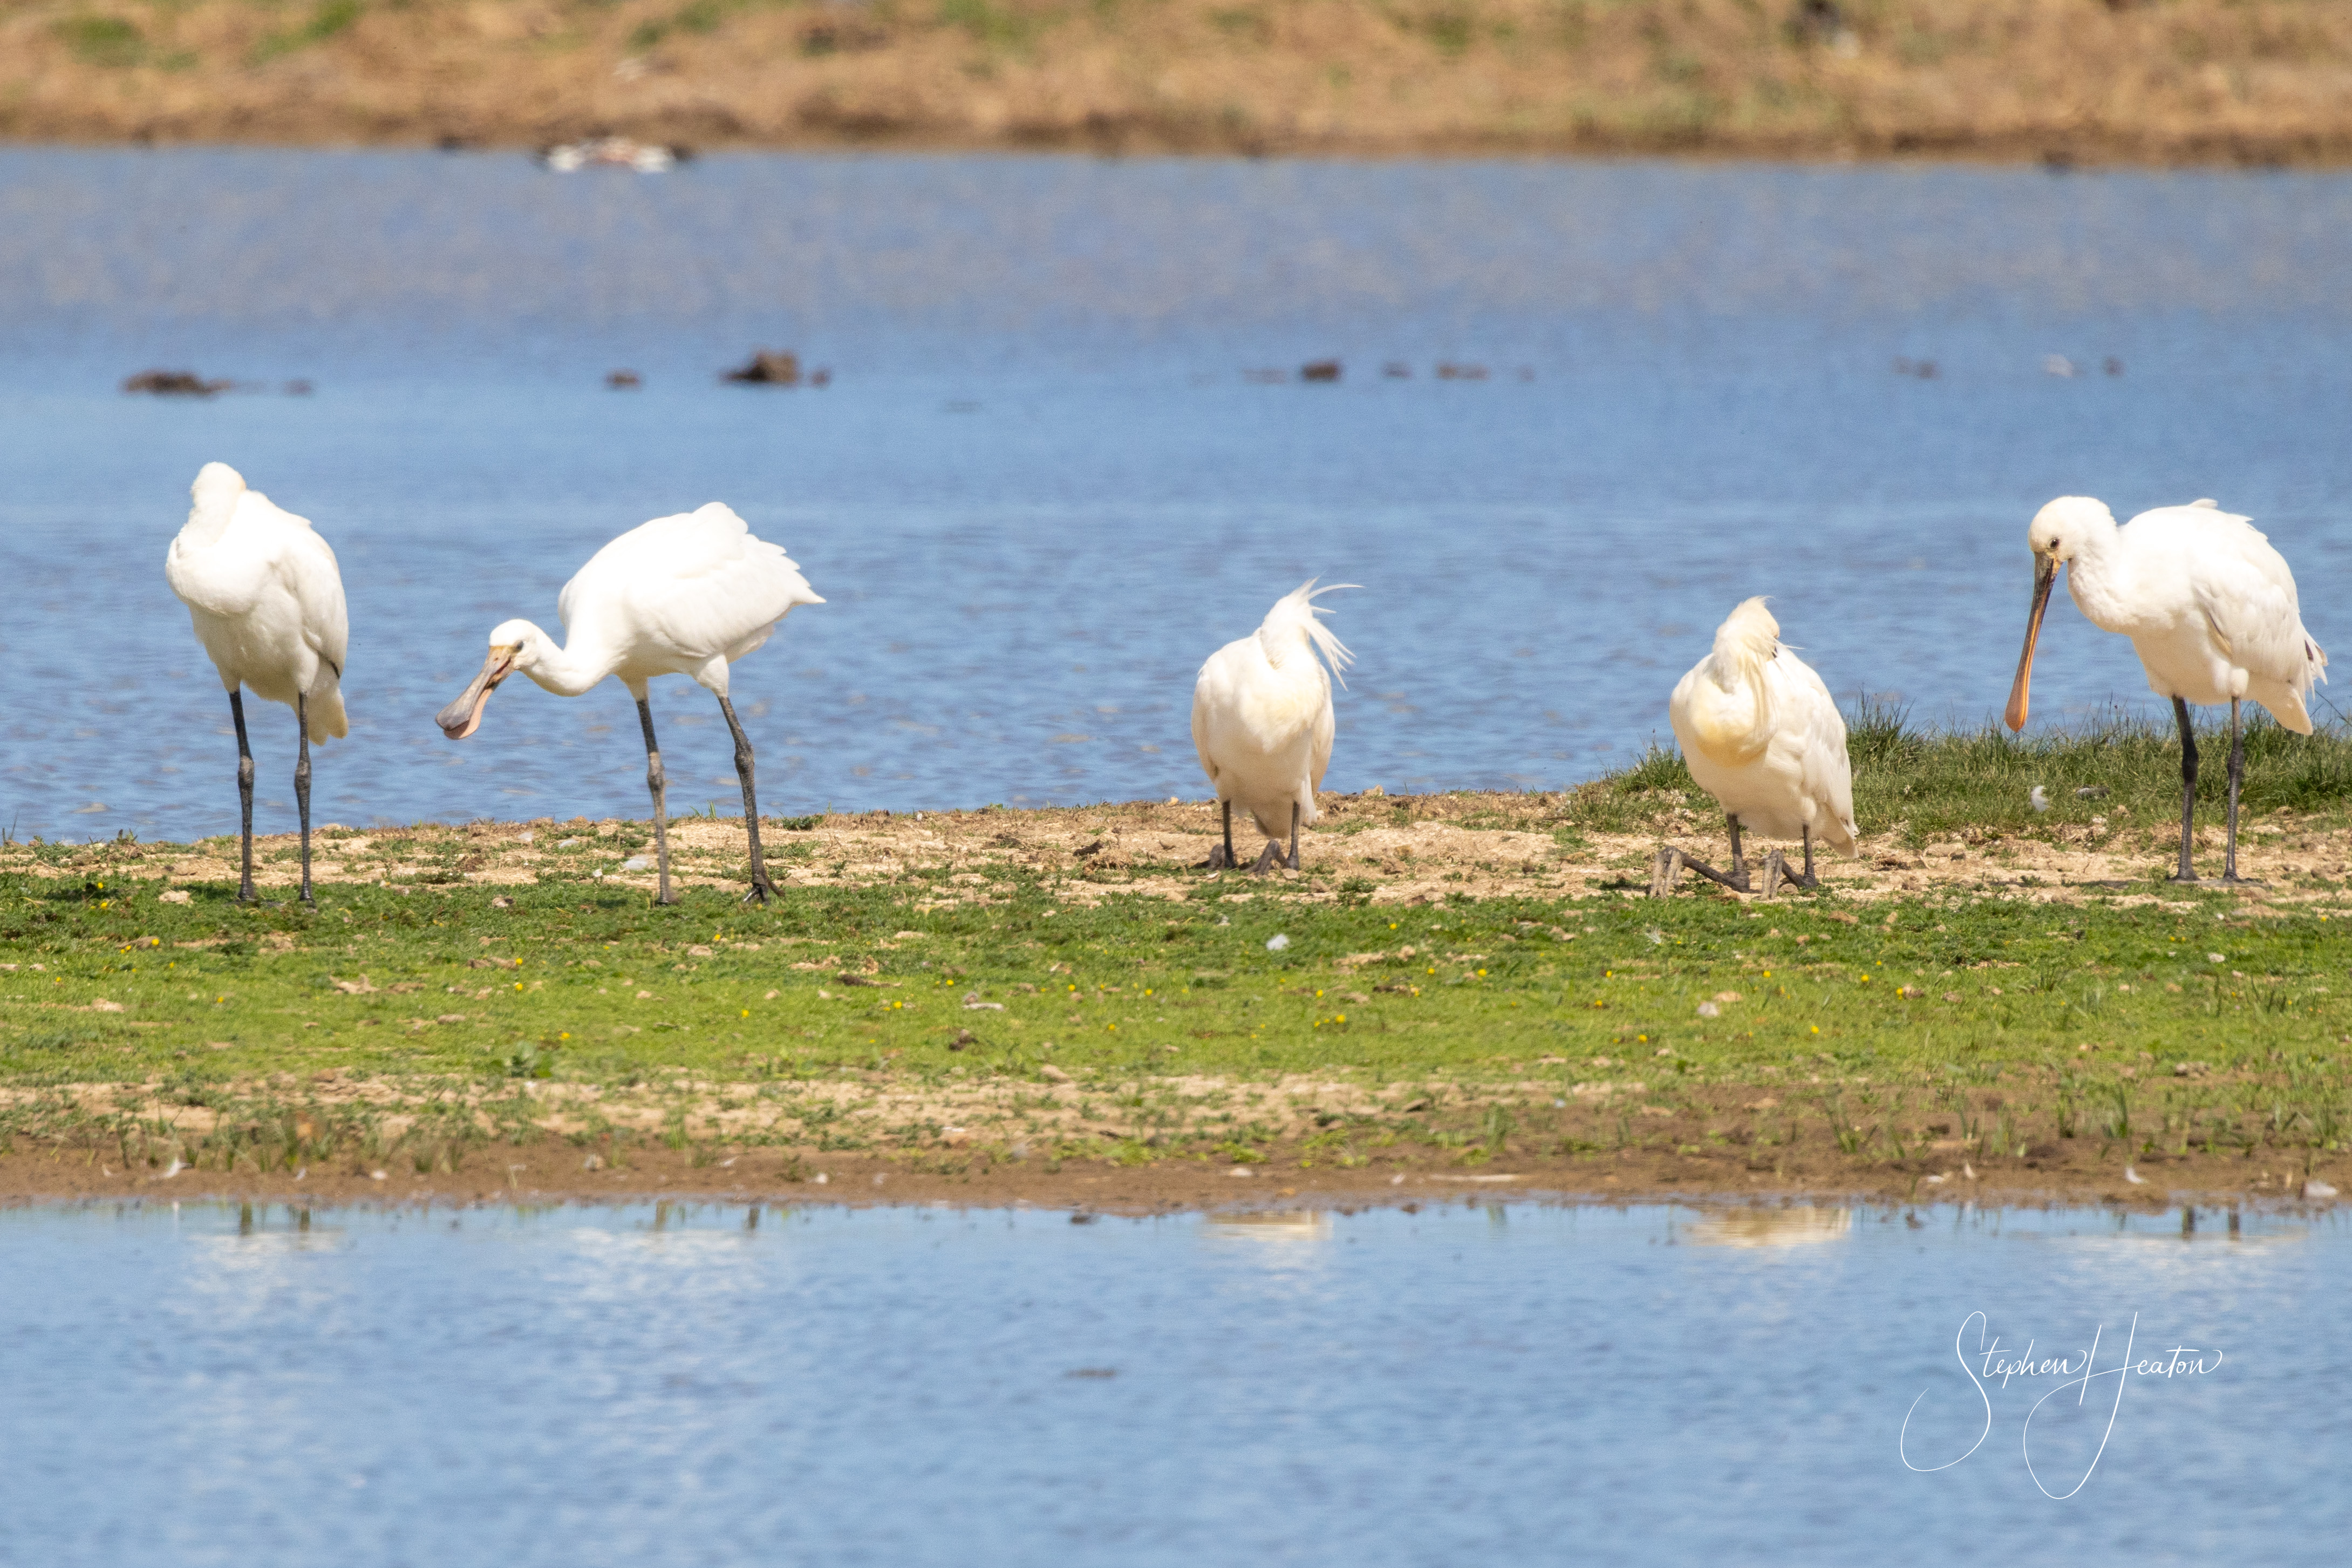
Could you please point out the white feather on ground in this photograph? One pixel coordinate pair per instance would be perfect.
(1760, 732)
(1262, 718)
(265, 597)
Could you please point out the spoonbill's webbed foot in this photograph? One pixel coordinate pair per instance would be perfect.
(1806, 879)
(763, 890)
(655, 782)
(1267, 858)
(245, 894)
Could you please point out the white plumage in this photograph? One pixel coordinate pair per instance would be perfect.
(1262, 720)
(266, 601)
(2210, 608)
(1760, 732)
(690, 596)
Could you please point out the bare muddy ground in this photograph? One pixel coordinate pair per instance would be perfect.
(551, 1171)
(1391, 849)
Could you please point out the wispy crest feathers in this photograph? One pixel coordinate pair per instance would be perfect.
(1293, 617)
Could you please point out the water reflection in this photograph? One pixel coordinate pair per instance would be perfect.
(1796, 1227)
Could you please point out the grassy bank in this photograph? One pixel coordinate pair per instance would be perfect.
(2143, 80)
(1456, 985)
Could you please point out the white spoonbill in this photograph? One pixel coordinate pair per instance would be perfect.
(1762, 735)
(690, 594)
(267, 602)
(1262, 721)
(2209, 607)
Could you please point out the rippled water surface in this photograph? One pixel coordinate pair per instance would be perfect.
(1520, 1384)
(1043, 484)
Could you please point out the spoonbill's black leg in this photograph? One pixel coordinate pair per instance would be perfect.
(2237, 777)
(302, 783)
(761, 889)
(244, 796)
(2188, 872)
(1221, 856)
(655, 782)
(1736, 879)
(1294, 835)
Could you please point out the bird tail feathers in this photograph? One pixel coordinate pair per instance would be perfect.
(323, 706)
(1293, 615)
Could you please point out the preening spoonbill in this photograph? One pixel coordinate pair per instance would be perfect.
(267, 605)
(1761, 735)
(2209, 607)
(1262, 721)
(680, 595)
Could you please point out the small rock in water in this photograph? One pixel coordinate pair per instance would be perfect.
(768, 368)
(1276, 942)
(624, 379)
(173, 384)
(1319, 370)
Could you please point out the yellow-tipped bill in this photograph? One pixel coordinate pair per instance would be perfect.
(464, 716)
(2045, 574)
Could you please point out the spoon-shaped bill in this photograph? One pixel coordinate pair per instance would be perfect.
(464, 716)
(2045, 573)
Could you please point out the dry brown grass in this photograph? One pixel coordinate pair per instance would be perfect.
(2138, 80)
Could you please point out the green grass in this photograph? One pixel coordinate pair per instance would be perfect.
(327, 18)
(1141, 989)
(2111, 1019)
(102, 41)
(1928, 785)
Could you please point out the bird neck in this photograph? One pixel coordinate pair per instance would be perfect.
(566, 671)
(2095, 578)
(1732, 724)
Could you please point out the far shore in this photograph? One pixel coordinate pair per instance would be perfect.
(2260, 83)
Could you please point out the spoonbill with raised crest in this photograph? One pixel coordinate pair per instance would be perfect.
(1262, 725)
(2211, 609)
(1760, 732)
(266, 601)
(690, 594)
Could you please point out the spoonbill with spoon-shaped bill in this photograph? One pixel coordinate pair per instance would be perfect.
(690, 594)
(2209, 607)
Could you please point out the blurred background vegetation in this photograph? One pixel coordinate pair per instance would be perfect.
(2148, 81)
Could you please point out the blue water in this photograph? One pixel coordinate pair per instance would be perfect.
(1042, 486)
(1520, 1384)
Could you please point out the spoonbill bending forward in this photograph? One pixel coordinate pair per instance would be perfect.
(2209, 608)
(1262, 722)
(1762, 735)
(267, 603)
(680, 595)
